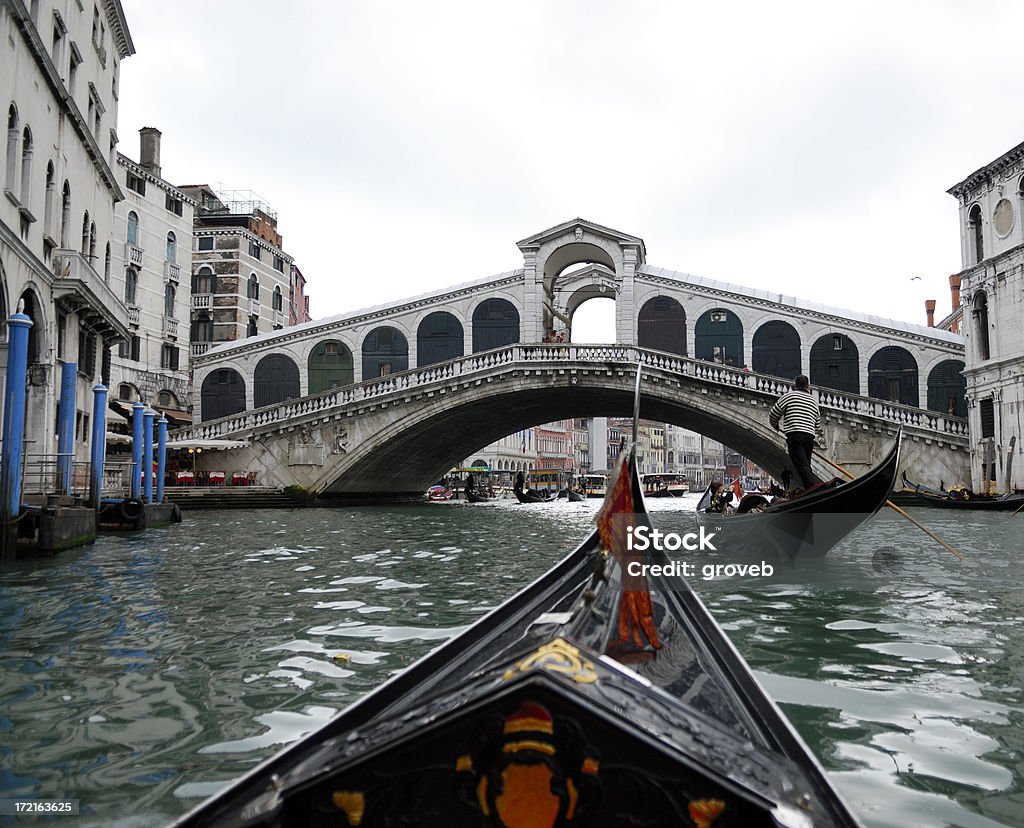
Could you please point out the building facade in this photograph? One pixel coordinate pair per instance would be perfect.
(59, 81)
(151, 250)
(991, 207)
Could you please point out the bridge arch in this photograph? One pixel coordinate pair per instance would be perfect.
(835, 363)
(947, 387)
(775, 350)
(661, 325)
(439, 337)
(496, 322)
(222, 394)
(275, 380)
(893, 375)
(718, 337)
(329, 365)
(385, 351)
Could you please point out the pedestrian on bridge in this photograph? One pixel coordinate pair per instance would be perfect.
(796, 414)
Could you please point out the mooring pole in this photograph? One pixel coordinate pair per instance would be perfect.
(99, 445)
(161, 457)
(147, 460)
(66, 426)
(136, 489)
(14, 431)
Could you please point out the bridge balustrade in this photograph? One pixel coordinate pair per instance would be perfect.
(562, 354)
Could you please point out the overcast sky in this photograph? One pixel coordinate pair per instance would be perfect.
(406, 147)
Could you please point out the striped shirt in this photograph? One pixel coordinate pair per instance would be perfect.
(796, 411)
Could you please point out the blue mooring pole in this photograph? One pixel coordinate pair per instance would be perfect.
(136, 490)
(98, 446)
(161, 457)
(66, 426)
(14, 431)
(147, 460)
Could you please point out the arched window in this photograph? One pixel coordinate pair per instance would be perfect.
(439, 338)
(277, 300)
(250, 329)
(106, 264)
(661, 325)
(202, 328)
(947, 387)
(86, 238)
(92, 242)
(253, 289)
(65, 216)
(977, 233)
(718, 337)
(26, 168)
(167, 399)
(835, 363)
(495, 324)
(169, 293)
(51, 194)
(131, 281)
(133, 228)
(12, 148)
(127, 392)
(275, 380)
(892, 375)
(330, 366)
(979, 315)
(385, 351)
(172, 248)
(204, 281)
(222, 394)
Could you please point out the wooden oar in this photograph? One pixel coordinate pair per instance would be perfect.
(898, 510)
(1017, 509)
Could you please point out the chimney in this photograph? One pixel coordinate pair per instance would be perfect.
(954, 290)
(149, 150)
(929, 308)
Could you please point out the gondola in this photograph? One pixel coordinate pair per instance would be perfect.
(531, 495)
(593, 697)
(808, 525)
(576, 497)
(474, 496)
(962, 498)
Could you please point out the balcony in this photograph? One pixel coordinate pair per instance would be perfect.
(172, 272)
(202, 301)
(78, 288)
(254, 307)
(197, 349)
(133, 314)
(278, 317)
(132, 254)
(170, 327)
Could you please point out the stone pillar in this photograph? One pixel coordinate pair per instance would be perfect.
(625, 313)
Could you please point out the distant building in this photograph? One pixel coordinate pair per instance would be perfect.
(991, 202)
(152, 248)
(555, 445)
(298, 302)
(513, 453)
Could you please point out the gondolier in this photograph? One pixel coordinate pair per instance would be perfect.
(796, 415)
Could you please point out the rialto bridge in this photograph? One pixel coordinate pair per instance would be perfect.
(386, 399)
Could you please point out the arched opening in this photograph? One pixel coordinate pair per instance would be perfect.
(12, 148)
(892, 375)
(835, 363)
(277, 300)
(661, 325)
(275, 380)
(718, 337)
(202, 328)
(48, 202)
(65, 215)
(253, 287)
(172, 248)
(169, 296)
(106, 264)
(132, 236)
(979, 318)
(330, 366)
(947, 387)
(495, 324)
(439, 338)
(86, 237)
(126, 392)
(385, 351)
(204, 281)
(593, 321)
(26, 169)
(775, 350)
(250, 328)
(168, 399)
(33, 311)
(223, 394)
(131, 282)
(977, 233)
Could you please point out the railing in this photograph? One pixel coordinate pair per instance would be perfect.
(199, 348)
(133, 254)
(41, 475)
(202, 301)
(254, 307)
(170, 326)
(133, 314)
(172, 272)
(564, 356)
(278, 317)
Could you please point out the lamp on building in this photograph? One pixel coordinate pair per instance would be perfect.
(194, 452)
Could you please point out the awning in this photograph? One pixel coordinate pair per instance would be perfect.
(113, 437)
(175, 416)
(207, 445)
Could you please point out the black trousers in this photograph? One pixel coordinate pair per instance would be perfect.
(801, 445)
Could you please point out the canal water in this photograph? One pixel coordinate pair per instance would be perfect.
(145, 672)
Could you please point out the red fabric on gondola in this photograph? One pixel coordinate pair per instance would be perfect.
(636, 613)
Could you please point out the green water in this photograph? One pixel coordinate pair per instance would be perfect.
(143, 673)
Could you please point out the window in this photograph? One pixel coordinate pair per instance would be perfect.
(174, 205)
(166, 399)
(206, 243)
(277, 300)
(254, 250)
(106, 264)
(169, 357)
(718, 316)
(12, 147)
(253, 288)
(74, 63)
(136, 183)
(977, 233)
(837, 342)
(133, 228)
(202, 328)
(979, 313)
(986, 408)
(172, 248)
(204, 281)
(169, 301)
(251, 327)
(131, 281)
(86, 353)
(86, 237)
(278, 264)
(51, 192)
(65, 215)
(26, 169)
(125, 392)
(92, 243)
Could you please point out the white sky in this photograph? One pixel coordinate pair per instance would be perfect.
(793, 147)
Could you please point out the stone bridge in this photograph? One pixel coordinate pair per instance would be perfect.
(399, 433)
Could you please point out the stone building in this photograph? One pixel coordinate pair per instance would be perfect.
(60, 74)
(991, 205)
(151, 249)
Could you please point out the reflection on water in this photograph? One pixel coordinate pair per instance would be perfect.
(148, 670)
